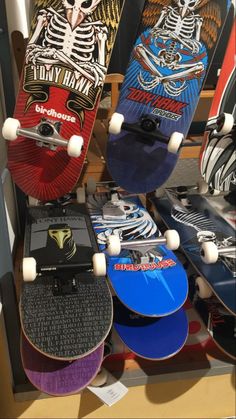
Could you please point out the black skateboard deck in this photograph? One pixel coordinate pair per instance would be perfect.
(65, 312)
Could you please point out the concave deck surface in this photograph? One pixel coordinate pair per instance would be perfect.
(151, 338)
(157, 288)
(157, 84)
(56, 85)
(66, 312)
(202, 218)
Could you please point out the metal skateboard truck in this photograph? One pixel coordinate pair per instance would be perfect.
(46, 133)
(140, 249)
(147, 128)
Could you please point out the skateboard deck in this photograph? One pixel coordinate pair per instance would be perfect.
(151, 338)
(196, 225)
(156, 287)
(66, 62)
(59, 378)
(66, 311)
(217, 157)
(162, 85)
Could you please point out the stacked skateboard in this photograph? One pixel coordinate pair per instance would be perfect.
(208, 243)
(148, 282)
(65, 308)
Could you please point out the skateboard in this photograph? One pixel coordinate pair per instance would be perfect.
(65, 66)
(151, 338)
(207, 241)
(146, 276)
(65, 307)
(160, 92)
(217, 157)
(59, 378)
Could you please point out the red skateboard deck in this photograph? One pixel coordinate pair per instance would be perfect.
(65, 66)
(217, 158)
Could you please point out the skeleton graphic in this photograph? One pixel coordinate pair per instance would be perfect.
(178, 28)
(70, 36)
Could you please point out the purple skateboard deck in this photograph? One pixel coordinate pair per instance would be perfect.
(159, 95)
(59, 378)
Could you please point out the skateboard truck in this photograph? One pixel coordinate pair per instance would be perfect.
(46, 133)
(148, 129)
(114, 245)
(31, 270)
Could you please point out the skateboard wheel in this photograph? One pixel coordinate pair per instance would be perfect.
(29, 269)
(225, 123)
(80, 195)
(9, 129)
(202, 187)
(74, 146)
(99, 264)
(214, 192)
(100, 379)
(91, 186)
(113, 245)
(175, 142)
(159, 193)
(203, 290)
(172, 239)
(209, 252)
(116, 122)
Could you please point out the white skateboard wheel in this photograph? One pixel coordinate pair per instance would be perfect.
(203, 290)
(175, 142)
(202, 186)
(74, 146)
(91, 186)
(159, 193)
(80, 195)
(113, 245)
(228, 123)
(29, 269)
(10, 128)
(100, 379)
(116, 122)
(172, 239)
(99, 264)
(214, 192)
(209, 252)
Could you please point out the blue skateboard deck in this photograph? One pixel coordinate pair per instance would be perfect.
(158, 288)
(192, 225)
(151, 338)
(163, 80)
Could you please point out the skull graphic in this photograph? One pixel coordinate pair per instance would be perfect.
(77, 10)
(187, 6)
